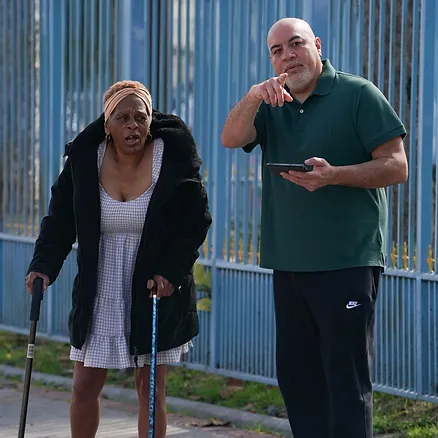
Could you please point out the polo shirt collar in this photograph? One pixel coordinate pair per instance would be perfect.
(325, 82)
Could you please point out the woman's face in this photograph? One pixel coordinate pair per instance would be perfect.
(129, 124)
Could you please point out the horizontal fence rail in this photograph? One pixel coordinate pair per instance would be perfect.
(198, 58)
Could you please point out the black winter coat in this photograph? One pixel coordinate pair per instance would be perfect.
(176, 225)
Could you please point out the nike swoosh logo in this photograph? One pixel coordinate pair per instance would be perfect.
(352, 305)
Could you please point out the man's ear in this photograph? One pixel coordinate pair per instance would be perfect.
(318, 45)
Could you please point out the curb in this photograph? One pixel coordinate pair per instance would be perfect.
(186, 407)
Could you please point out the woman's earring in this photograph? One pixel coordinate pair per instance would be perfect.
(149, 137)
(108, 138)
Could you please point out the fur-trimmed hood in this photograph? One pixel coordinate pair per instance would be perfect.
(180, 152)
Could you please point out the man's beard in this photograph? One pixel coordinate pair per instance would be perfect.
(299, 82)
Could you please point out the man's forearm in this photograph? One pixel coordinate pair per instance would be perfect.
(377, 173)
(239, 127)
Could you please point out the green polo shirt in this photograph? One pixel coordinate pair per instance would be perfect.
(334, 227)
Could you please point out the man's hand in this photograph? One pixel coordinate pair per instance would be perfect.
(32, 276)
(271, 91)
(323, 174)
(161, 286)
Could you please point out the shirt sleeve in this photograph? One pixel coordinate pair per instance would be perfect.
(260, 126)
(376, 120)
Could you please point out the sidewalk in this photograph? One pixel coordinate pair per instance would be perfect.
(48, 417)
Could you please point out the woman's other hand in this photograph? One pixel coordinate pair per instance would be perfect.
(162, 287)
(32, 276)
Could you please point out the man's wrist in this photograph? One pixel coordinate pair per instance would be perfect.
(252, 99)
(336, 175)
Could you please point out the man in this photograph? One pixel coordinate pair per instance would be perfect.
(323, 231)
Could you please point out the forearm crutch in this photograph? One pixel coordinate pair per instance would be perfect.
(151, 285)
(37, 296)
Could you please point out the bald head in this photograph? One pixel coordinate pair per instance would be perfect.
(297, 25)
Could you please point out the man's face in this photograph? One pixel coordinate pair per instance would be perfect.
(294, 50)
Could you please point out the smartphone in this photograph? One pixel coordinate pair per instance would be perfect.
(277, 168)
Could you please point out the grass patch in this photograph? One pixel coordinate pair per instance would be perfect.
(402, 417)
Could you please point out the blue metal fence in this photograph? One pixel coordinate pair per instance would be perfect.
(198, 57)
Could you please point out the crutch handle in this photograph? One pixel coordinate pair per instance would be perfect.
(37, 296)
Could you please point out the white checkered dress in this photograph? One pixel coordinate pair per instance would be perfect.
(107, 344)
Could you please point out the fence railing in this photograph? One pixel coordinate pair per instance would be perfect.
(198, 57)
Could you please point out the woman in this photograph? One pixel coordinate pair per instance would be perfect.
(131, 193)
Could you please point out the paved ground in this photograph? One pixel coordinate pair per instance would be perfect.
(48, 418)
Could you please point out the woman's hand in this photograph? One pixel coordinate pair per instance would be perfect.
(161, 287)
(32, 276)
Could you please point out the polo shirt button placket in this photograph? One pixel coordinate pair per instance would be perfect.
(301, 111)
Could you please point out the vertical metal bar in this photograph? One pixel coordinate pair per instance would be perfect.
(4, 122)
(69, 72)
(77, 70)
(154, 24)
(412, 216)
(56, 18)
(347, 60)
(19, 146)
(3, 147)
(179, 60)
(244, 176)
(381, 49)
(392, 223)
(13, 124)
(229, 155)
(424, 186)
(161, 62)
(44, 112)
(187, 65)
(100, 52)
(402, 237)
(26, 69)
(108, 48)
(169, 58)
(435, 133)
(35, 109)
(337, 41)
(85, 52)
(429, 323)
(219, 14)
(371, 24)
(391, 60)
(357, 49)
(254, 211)
(147, 43)
(94, 102)
(198, 74)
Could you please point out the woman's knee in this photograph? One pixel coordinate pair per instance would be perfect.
(87, 382)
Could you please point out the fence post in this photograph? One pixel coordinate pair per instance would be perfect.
(222, 52)
(424, 185)
(125, 37)
(52, 120)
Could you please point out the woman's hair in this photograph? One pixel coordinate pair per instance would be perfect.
(120, 85)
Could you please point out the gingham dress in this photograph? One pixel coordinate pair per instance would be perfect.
(107, 344)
